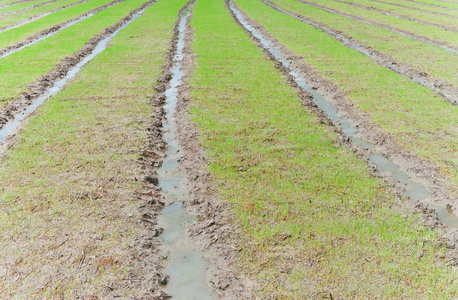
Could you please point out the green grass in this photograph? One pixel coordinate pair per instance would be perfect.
(38, 59)
(72, 173)
(445, 4)
(19, 16)
(433, 33)
(18, 34)
(423, 57)
(435, 19)
(21, 5)
(311, 220)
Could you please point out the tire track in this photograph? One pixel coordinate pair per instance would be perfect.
(407, 18)
(406, 33)
(415, 8)
(44, 34)
(55, 79)
(39, 16)
(26, 8)
(327, 100)
(448, 92)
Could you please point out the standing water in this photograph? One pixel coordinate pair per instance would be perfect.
(186, 266)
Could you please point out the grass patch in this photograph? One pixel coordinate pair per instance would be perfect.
(394, 103)
(312, 220)
(27, 65)
(20, 6)
(18, 34)
(68, 183)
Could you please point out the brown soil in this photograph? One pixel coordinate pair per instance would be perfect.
(27, 8)
(379, 57)
(411, 35)
(212, 230)
(423, 171)
(415, 8)
(399, 16)
(36, 17)
(40, 86)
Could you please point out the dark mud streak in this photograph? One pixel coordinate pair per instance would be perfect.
(415, 8)
(448, 92)
(26, 8)
(52, 30)
(14, 3)
(433, 5)
(39, 16)
(406, 33)
(407, 18)
(36, 89)
(368, 142)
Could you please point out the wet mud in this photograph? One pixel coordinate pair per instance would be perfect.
(407, 18)
(37, 17)
(52, 31)
(447, 91)
(417, 9)
(413, 179)
(423, 39)
(26, 8)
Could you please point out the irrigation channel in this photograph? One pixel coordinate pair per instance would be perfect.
(185, 265)
(388, 62)
(11, 127)
(40, 36)
(414, 190)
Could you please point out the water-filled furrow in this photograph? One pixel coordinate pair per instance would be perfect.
(58, 28)
(372, 54)
(12, 125)
(186, 267)
(26, 8)
(414, 190)
(413, 36)
(39, 16)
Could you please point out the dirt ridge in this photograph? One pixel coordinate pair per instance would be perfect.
(434, 5)
(41, 85)
(39, 16)
(384, 142)
(420, 38)
(448, 92)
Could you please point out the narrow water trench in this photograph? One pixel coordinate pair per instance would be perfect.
(414, 190)
(185, 265)
(12, 125)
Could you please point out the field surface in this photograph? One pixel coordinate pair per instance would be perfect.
(228, 149)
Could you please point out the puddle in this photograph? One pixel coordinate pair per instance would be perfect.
(347, 42)
(185, 265)
(11, 126)
(414, 189)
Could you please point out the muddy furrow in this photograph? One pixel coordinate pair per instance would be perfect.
(26, 8)
(407, 18)
(183, 180)
(406, 33)
(13, 113)
(44, 34)
(447, 91)
(416, 179)
(415, 8)
(39, 16)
